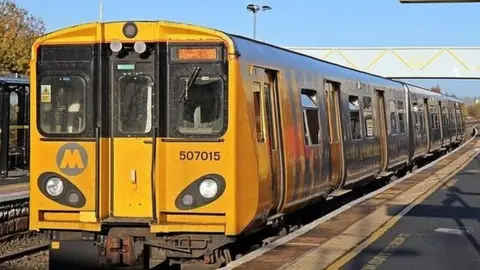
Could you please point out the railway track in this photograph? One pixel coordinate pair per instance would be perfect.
(18, 251)
(21, 253)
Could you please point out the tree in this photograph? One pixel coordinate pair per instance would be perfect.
(436, 89)
(18, 31)
(473, 110)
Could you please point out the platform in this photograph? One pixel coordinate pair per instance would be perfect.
(443, 232)
(11, 190)
(370, 233)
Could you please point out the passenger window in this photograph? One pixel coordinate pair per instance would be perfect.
(135, 104)
(354, 117)
(268, 116)
(401, 114)
(311, 121)
(433, 115)
(439, 115)
(447, 119)
(421, 120)
(452, 117)
(331, 96)
(415, 113)
(458, 116)
(62, 104)
(393, 118)
(368, 117)
(422, 116)
(258, 111)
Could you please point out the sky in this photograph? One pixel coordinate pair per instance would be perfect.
(311, 23)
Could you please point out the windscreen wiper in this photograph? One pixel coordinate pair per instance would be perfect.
(190, 82)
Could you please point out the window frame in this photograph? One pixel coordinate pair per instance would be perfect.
(359, 118)
(259, 131)
(372, 112)
(306, 127)
(88, 130)
(173, 115)
(395, 115)
(401, 111)
(118, 107)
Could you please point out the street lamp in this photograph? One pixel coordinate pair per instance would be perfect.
(254, 9)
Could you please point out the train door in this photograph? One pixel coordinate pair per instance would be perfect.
(441, 123)
(380, 95)
(132, 127)
(337, 157)
(266, 81)
(428, 124)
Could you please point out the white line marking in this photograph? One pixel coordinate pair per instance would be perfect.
(470, 171)
(302, 244)
(254, 254)
(14, 196)
(455, 231)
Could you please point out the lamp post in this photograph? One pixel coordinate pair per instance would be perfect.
(101, 10)
(255, 9)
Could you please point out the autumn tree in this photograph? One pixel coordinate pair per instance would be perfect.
(436, 89)
(473, 110)
(18, 31)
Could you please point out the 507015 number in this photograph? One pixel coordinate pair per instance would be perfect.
(199, 155)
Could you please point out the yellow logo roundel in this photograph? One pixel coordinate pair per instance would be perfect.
(72, 159)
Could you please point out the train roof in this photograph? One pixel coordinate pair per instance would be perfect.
(12, 80)
(275, 54)
(272, 54)
(268, 53)
(421, 90)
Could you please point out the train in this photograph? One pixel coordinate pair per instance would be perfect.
(156, 141)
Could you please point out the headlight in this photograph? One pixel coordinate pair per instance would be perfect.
(54, 186)
(130, 29)
(208, 188)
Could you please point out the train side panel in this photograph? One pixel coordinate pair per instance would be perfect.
(314, 137)
(452, 122)
(362, 144)
(435, 130)
(442, 106)
(460, 120)
(397, 127)
(450, 137)
(419, 122)
(305, 173)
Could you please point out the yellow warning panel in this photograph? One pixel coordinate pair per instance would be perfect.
(46, 94)
(55, 245)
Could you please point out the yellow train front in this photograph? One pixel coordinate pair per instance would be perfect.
(134, 151)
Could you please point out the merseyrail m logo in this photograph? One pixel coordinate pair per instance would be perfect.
(72, 159)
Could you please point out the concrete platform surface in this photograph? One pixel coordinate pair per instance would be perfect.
(443, 232)
(14, 192)
(362, 233)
